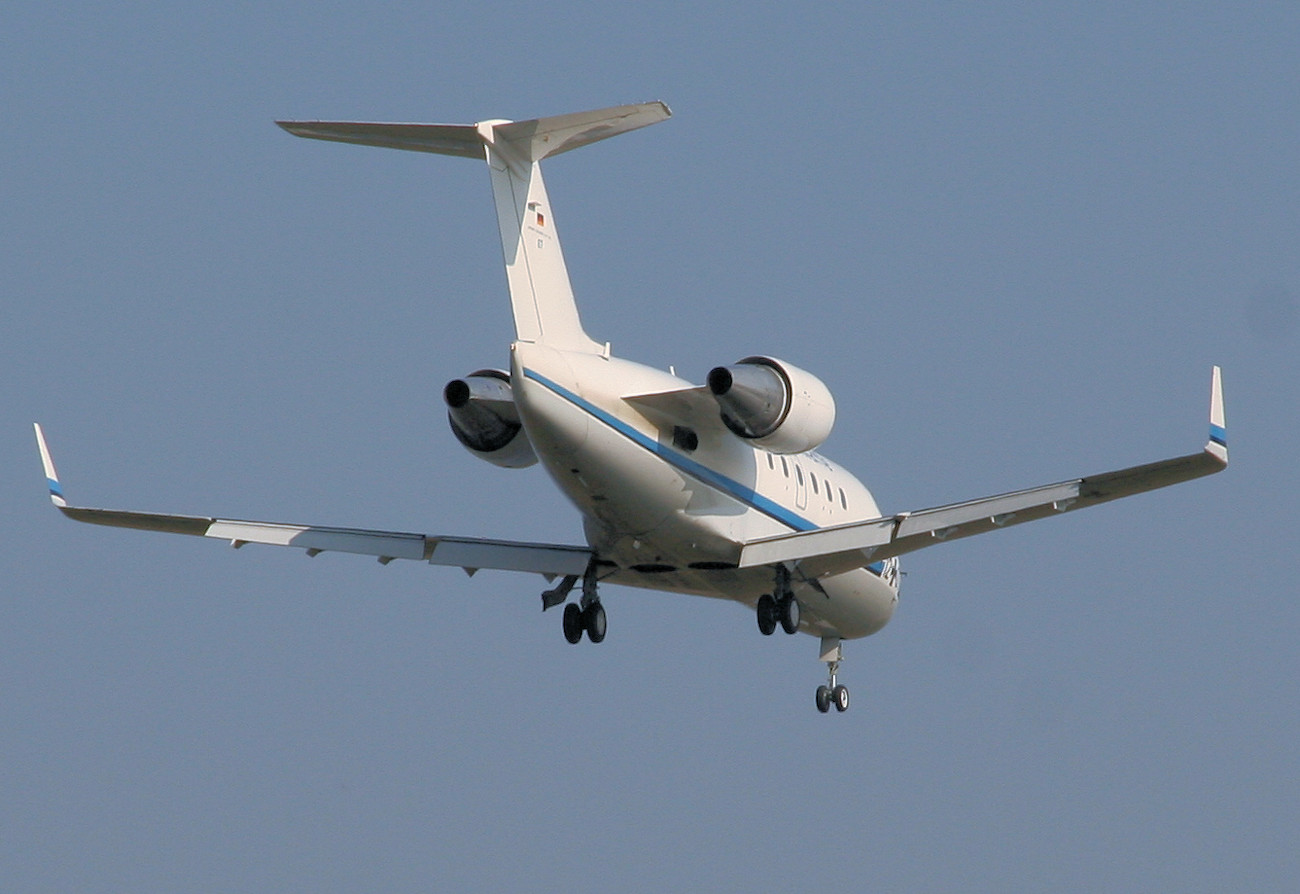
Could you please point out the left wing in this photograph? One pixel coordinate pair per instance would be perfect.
(844, 547)
(469, 553)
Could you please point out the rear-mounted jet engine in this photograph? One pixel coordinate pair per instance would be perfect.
(482, 414)
(773, 404)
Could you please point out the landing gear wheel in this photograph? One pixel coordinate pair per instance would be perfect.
(766, 612)
(573, 623)
(788, 609)
(593, 619)
(840, 695)
(823, 698)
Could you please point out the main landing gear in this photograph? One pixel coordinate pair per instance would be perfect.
(586, 616)
(589, 620)
(772, 612)
(835, 693)
(779, 608)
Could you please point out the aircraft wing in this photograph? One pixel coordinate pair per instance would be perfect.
(469, 553)
(841, 548)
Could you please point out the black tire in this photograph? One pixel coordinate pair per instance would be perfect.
(840, 695)
(766, 613)
(823, 698)
(573, 623)
(593, 619)
(789, 612)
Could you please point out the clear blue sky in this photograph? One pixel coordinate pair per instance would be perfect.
(1012, 239)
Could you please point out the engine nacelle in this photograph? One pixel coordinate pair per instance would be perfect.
(777, 406)
(483, 417)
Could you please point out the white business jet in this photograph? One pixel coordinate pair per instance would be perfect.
(713, 490)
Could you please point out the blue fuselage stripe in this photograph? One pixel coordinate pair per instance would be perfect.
(690, 467)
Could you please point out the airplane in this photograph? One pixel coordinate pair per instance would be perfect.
(713, 490)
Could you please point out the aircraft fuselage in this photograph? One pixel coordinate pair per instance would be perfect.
(665, 504)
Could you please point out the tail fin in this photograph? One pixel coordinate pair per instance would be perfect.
(540, 293)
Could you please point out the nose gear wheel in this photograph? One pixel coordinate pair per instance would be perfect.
(834, 692)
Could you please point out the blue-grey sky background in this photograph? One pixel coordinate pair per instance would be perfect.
(1012, 238)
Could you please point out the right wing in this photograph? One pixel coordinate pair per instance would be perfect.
(469, 553)
(844, 547)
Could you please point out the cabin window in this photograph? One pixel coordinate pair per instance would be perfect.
(843, 502)
(785, 469)
(829, 498)
(798, 474)
(813, 476)
(771, 464)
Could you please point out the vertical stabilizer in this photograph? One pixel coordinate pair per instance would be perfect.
(540, 294)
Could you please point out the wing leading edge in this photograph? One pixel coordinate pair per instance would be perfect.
(469, 553)
(841, 548)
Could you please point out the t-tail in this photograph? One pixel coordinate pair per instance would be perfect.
(540, 293)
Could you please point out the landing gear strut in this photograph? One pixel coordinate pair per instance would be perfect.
(835, 693)
(586, 616)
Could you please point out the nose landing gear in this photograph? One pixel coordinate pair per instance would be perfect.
(835, 693)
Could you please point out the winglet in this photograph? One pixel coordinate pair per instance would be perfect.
(1217, 446)
(51, 476)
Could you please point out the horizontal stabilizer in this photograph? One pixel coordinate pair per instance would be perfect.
(532, 140)
(544, 137)
(444, 139)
